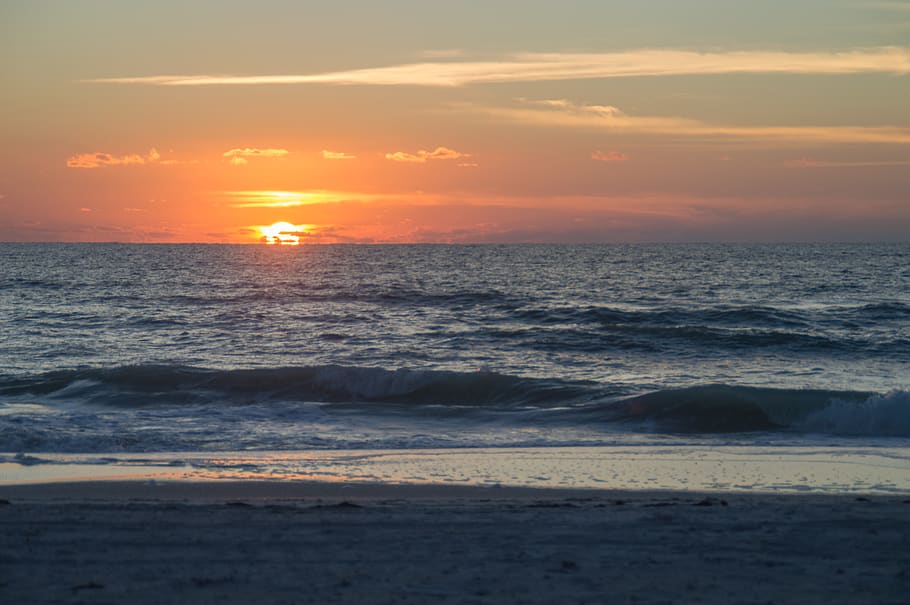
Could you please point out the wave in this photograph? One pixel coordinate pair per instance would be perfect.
(475, 397)
(720, 315)
(724, 408)
(134, 386)
(882, 310)
(887, 415)
(736, 409)
(310, 293)
(874, 328)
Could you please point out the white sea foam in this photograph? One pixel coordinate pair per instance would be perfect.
(879, 415)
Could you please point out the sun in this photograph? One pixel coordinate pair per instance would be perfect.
(283, 233)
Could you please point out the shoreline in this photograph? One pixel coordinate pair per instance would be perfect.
(264, 492)
(211, 491)
(688, 468)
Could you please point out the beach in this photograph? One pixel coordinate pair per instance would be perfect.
(455, 302)
(454, 424)
(311, 542)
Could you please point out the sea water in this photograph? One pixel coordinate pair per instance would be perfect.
(179, 354)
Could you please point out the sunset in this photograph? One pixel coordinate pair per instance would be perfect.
(501, 302)
(734, 121)
(283, 233)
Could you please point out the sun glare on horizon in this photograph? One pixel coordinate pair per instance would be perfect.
(282, 233)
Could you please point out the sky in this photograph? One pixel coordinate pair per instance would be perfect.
(472, 121)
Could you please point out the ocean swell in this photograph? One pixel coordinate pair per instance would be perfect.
(740, 328)
(469, 398)
(134, 386)
(723, 408)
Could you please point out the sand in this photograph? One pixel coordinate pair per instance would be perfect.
(304, 542)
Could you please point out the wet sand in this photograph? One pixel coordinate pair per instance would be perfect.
(306, 542)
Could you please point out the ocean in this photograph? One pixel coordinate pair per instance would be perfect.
(268, 359)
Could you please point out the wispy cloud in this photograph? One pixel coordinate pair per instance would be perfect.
(336, 155)
(813, 163)
(239, 156)
(440, 153)
(561, 112)
(609, 156)
(530, 67)
(289, 199)
(100, 159)
(310, 197)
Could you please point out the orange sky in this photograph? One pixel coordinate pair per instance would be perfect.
(417, 123)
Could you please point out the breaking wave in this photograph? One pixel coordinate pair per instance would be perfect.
(471, 397)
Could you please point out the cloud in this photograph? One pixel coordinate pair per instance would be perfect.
(813, 163)
(609, 156)
(100, 159)
(336, 155)
(564, 113)
(534, 67)
(85, 210)
(239, 156)
(588, 218)
(422, 156)
(288, 199)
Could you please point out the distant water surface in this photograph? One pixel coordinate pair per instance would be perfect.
(160, 348)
